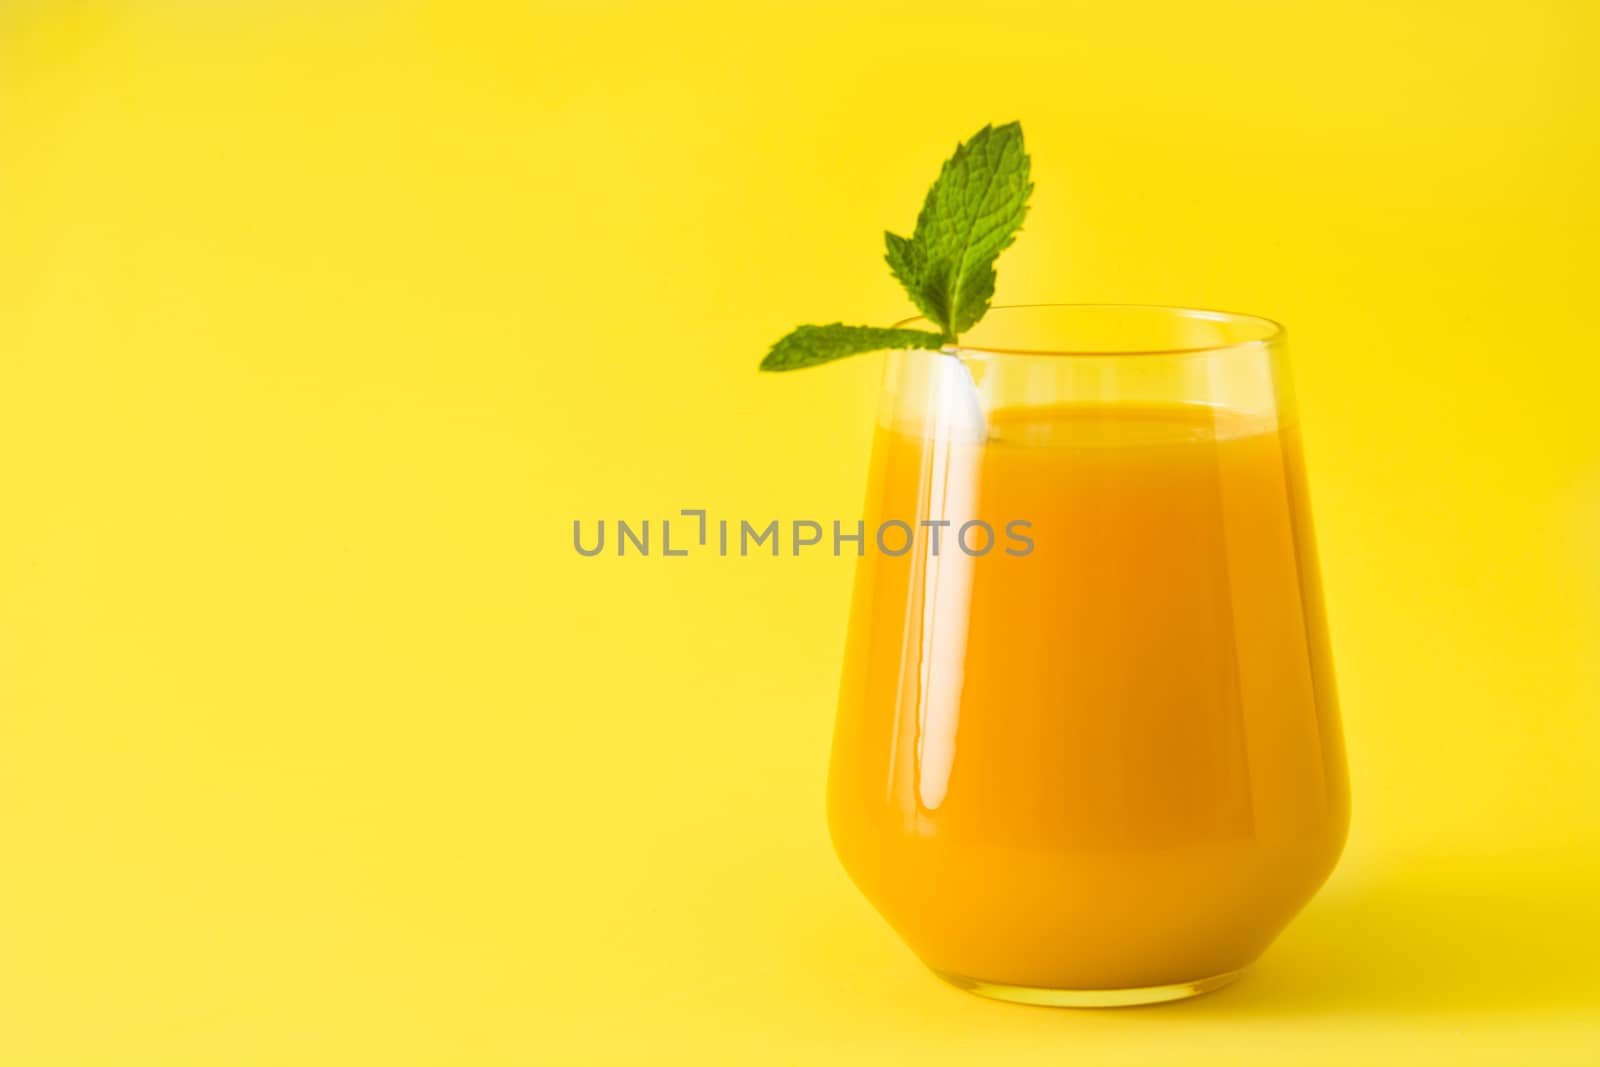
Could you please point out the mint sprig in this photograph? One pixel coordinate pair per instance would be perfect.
(971, 214)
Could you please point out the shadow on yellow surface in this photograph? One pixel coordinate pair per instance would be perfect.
(1467, 934)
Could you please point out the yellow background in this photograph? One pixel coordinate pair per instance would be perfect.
(320, 323)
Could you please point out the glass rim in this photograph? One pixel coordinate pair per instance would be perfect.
(1269, 331)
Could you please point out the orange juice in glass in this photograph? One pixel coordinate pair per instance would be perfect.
(1088, 747)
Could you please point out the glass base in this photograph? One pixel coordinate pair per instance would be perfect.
(1089, 998)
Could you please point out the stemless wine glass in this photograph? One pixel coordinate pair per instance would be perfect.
(1088, 747)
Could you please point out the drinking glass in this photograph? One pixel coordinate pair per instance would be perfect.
(1088, 747)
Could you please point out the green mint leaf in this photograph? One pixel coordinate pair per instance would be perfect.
(971, 214)
(810, 345)
(901, 255)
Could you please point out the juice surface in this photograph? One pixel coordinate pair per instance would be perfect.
(1113, 761)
